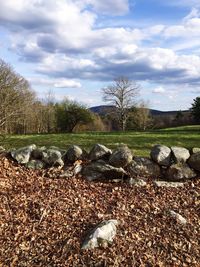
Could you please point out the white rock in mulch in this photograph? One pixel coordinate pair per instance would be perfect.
(179, 218)
(168, 184)
(101, 235)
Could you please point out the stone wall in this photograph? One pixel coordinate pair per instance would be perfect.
(101, 163)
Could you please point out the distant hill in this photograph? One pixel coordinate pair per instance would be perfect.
(155, 112)
(103, 109)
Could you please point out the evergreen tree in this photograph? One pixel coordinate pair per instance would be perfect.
(196, 109)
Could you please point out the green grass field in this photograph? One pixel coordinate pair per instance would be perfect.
(139, 142)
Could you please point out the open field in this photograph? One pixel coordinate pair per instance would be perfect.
(139, 142)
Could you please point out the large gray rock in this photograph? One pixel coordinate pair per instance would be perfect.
(62, 151)
(161, 154)
(195, 150)
(194, 161)
(179, 171)
(22, 155)
(102, 235)
(180, 154)
(74, 153)
(121, 156)
(99, 152)
(71, 171)
(101, 170)
(35, 164)
(53, 157)
(143, 167)
(37, 153)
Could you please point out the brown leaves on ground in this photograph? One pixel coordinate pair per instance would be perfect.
(43, 221)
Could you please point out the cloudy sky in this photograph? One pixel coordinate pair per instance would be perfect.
(76, 47)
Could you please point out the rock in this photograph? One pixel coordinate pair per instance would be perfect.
(179, 171)
(101, 170)
(74, 153)
(137, 182)
(143, 167)
(161, 154)
(195, 150)
(116, 181)
(22, 155)
(37, 153)
(194, 161)
(71, 171)
(168, 184)
(180, 154)
(35, 164)
(121, 157)
(102, 235)
(67, 174)
(179, 218)
(99, 152)
(77, 169)
(62, 151)
(53, 157)
(2, 149)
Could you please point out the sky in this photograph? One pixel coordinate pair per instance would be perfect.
(76, 48)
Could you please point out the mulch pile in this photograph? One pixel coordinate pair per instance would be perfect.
(43, 221)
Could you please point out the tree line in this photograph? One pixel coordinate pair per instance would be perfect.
(21, 111)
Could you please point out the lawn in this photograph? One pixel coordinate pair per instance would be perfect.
(139, 142)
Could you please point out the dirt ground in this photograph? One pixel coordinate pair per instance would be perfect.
(43, 221)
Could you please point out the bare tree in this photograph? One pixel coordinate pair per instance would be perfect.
(15, 96)
(122, 94)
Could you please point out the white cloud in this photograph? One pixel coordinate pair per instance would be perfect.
(55, 83)
(39, 27)
(189, 28)
(109, 7)
(67, 84)
(154, 30)
(194, 13)
(62, 37)
(113, 7)
(158, 90)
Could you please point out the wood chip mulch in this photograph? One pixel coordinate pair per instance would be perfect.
(43, 221)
